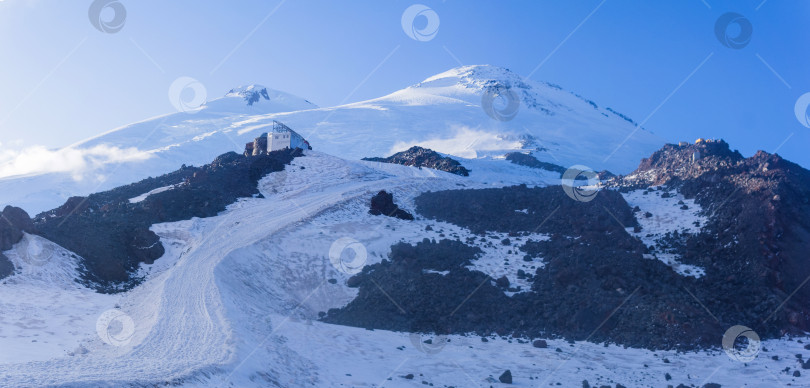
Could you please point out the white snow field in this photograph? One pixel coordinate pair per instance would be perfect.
(234, 303)
(443, 113)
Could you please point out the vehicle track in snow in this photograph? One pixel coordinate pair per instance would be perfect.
(186, 333)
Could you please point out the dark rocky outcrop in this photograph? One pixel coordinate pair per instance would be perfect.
(72, 205)
(425, 300)
(596, 284)
(258, 147)
(756, 240)
(593, 267)
(112, 235)
(684, 162)
(530, 161)
(14, 222)
(383, 204)
(506, 377)
(251, 95)
(6, 266)
(423, 157)
(485, 210)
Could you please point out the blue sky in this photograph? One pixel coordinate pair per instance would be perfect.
(63, 80)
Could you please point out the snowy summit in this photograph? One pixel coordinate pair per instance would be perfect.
(259, 98)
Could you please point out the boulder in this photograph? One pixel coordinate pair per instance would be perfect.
(6, 267)
(506, 377)
(383, 204)
(14, 222)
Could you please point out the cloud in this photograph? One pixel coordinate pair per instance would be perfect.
(74, 161)
(466, 143)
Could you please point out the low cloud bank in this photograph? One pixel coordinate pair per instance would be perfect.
(75, 161)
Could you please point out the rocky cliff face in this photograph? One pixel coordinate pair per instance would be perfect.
(423, 157)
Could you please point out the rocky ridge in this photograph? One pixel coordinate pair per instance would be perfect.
(424, 157)
(597, 281)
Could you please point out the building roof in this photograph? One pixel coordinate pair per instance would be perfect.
(279, 127)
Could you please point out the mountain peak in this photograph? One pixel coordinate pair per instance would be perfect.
(260, 97)
(477, 80)
(477, 71)
(476, 76)
(251, 93)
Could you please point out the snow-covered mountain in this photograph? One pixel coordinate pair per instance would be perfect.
(447, 112)
(238, 298)
(40, 179)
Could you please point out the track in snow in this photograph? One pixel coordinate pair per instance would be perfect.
(186, 331)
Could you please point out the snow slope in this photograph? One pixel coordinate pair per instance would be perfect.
(233, 301)
(444, 113)
(43, 309)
